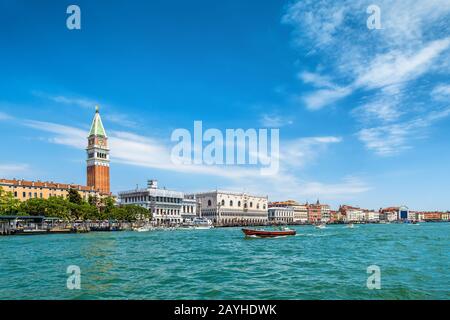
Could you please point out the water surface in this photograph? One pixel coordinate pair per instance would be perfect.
(220, 264)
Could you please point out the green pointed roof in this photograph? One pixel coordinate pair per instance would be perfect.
(97, 128)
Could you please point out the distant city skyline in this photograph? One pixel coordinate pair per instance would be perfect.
(363, 114)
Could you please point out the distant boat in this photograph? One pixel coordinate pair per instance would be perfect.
(200, 223)
(143, 229)
(320, 226)
(351, 225)
(268, 233)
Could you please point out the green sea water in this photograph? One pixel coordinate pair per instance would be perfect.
(332, 263)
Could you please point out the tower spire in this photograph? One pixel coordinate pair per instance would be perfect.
(98, 156)
(97, 128)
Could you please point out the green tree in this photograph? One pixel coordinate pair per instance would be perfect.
(8, 204)
(59, 208)
(118, 213)
(136, 213)
(106, 207)
(93, 200)
(34, 207)
(74, 196)
(108, 203)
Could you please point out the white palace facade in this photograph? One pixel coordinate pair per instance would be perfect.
(223, 207)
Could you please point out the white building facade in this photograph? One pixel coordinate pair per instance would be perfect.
(326, 213)
(281, 215)
(300, 210)
(189, 208)
(167, 207)
(223, 207)
(355, 215)
(372, 216)
(300, 213)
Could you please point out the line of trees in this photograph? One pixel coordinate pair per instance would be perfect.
(74, 207)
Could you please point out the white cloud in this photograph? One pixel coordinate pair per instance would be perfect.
(441, 92)
(324, 97)
(389, 140)
(4, 116)
(386, 67)
(64, 135)
(137, 150)
(397, 68)
(121, 119)
(299, 152)
(10, 170)
(316, 79)
(383, 108)
(133, 149)
(68, 100)
(274, 121)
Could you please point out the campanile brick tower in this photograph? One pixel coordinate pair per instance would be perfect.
(98, 156)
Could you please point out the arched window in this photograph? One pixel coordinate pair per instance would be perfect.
(239, 203)
(223, 202)
(209, 203)
(231, 203)
(251, 204)
(257, 206)
(245, 206)
(264, 206)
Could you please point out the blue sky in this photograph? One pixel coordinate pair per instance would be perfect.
(363, 114)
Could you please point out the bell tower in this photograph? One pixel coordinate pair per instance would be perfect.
(98, 156)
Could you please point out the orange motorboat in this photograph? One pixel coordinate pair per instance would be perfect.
(268, 233)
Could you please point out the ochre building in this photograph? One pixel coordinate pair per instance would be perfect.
(24, 190)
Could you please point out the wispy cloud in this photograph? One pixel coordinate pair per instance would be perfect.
(136, 150)
(10, 170)
(117, 118)
(274, 121)
(133, 149)
(441, 92)
(4, 116)
(385, 65)
(389, 140)
(325, 97)
(67, 100)
(299, 152)
(397, 68)
(121, 119)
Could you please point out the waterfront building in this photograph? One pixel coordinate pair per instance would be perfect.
(224, 207)
(281, 215)
(445, 216)
(300, 210)
(24, 189)
(325, 212)
(314, 212)
(335, 216)
(388, 214)
(189, 208)
(413, 215)
(166, 206)
(372, 215)
(98, 156)
(430, 216)
(352, 214)
(318, 212)
(396, 213)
